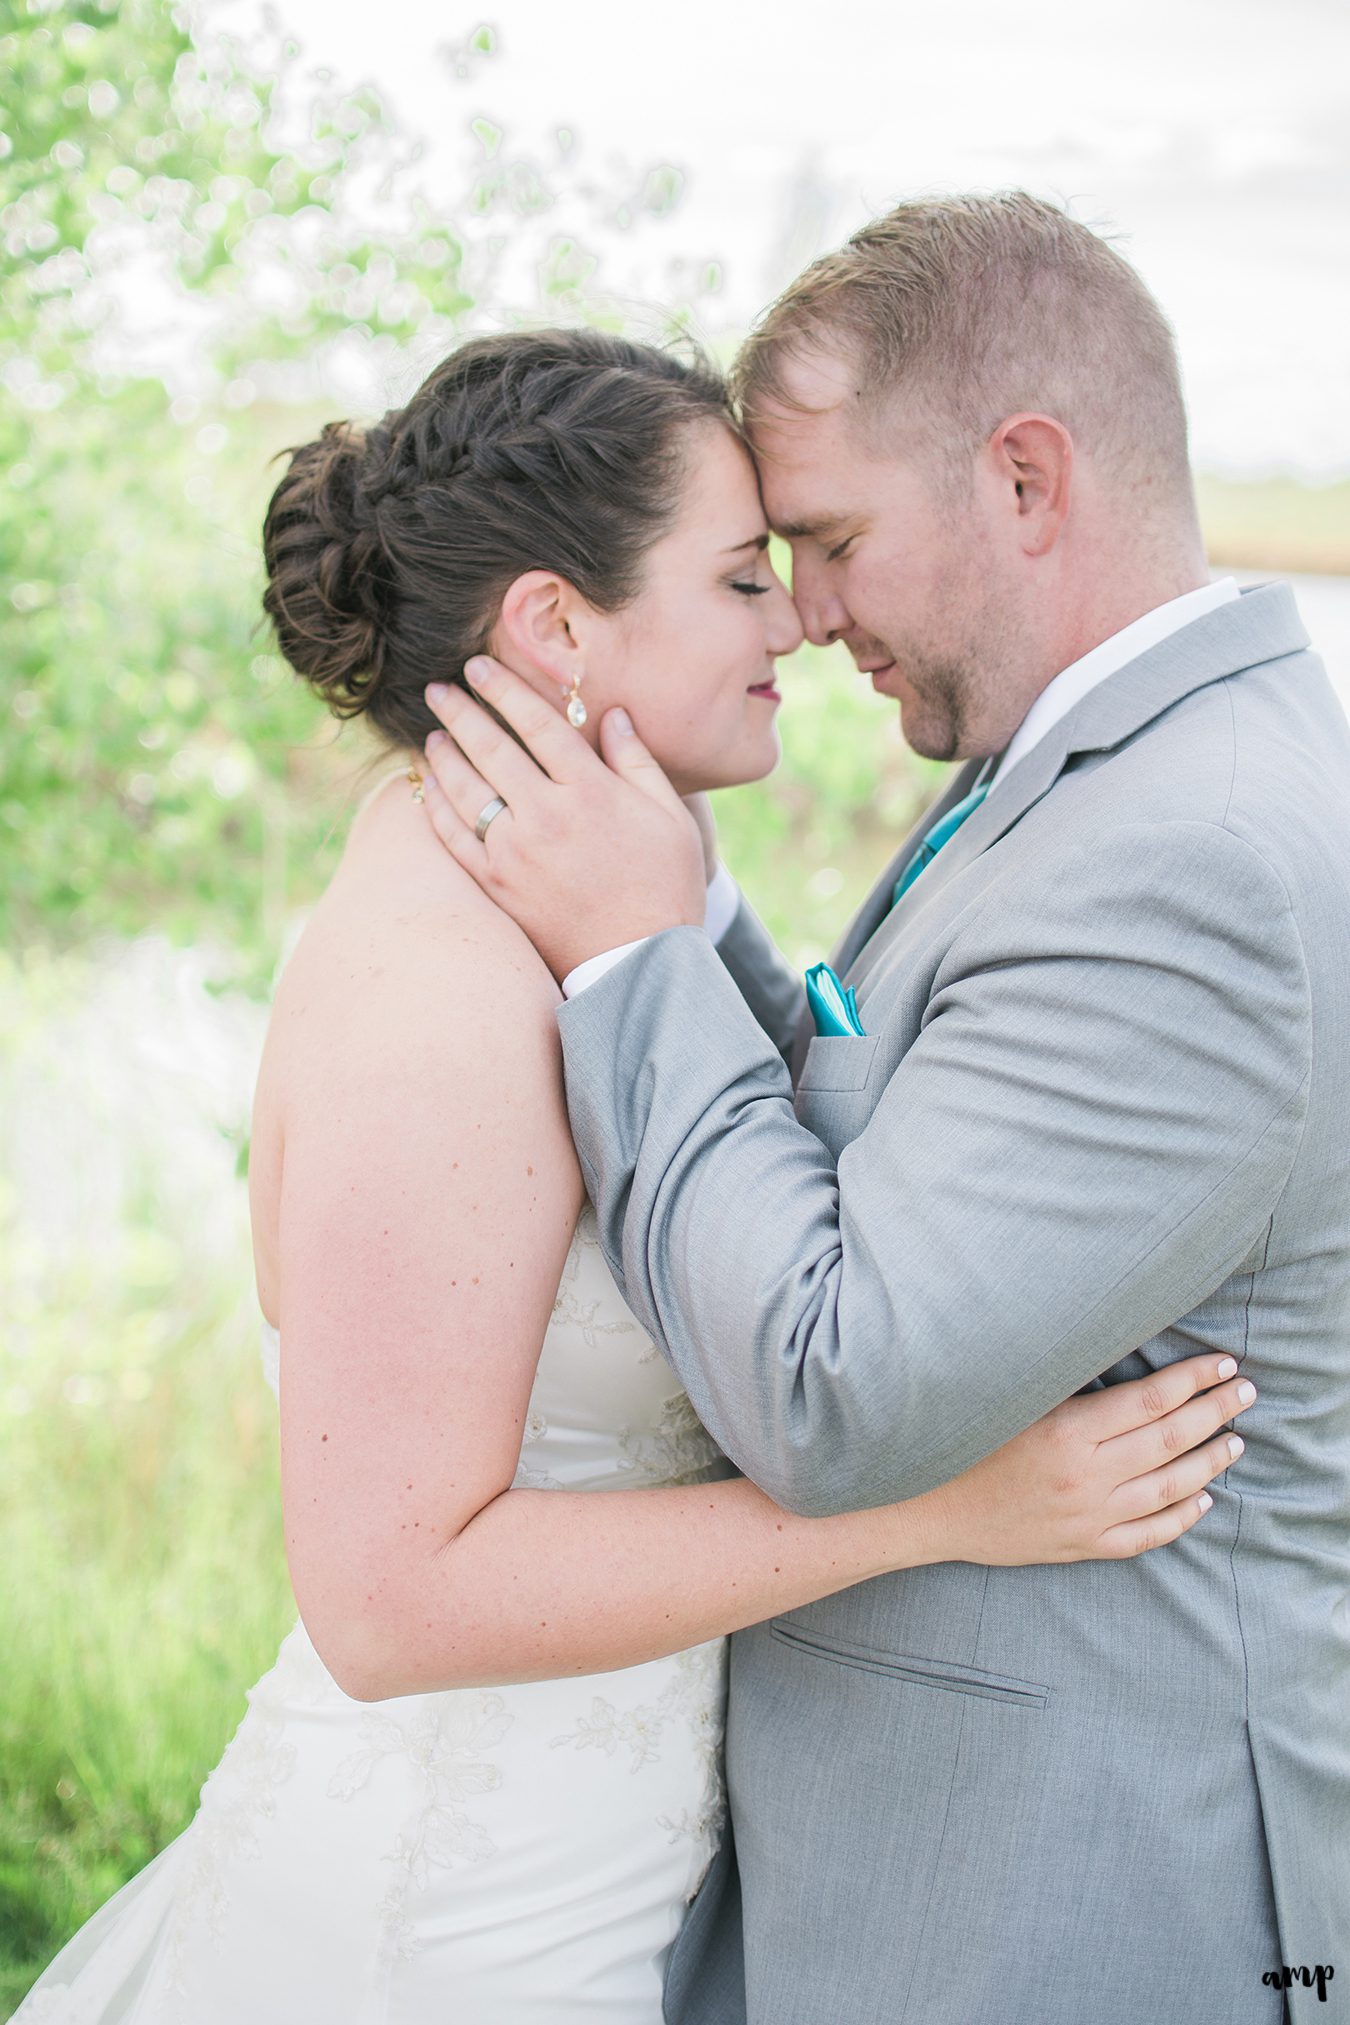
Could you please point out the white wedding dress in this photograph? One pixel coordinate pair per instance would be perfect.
(504, 1856)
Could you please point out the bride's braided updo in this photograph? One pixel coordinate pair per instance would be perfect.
(389, 549)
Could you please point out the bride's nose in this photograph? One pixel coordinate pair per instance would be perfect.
(785, 624)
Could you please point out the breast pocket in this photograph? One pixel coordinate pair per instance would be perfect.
(838, 1062)
(832, 1098)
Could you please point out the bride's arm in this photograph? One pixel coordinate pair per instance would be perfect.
(546, 1583)
(429, 1191)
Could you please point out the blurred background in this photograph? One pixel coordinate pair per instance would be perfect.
(224, 227)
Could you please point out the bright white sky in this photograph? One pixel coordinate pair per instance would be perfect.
(1214, 135)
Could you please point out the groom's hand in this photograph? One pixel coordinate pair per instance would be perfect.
(589, 852)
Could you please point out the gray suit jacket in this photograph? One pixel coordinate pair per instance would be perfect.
(1101, 1120)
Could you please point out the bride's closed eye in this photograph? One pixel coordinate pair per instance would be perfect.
(750, 590)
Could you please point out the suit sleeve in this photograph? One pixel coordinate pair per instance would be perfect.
(1090, 1132)
(774, 992)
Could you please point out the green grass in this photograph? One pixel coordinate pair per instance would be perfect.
(1276, 524)
(152, 1592)
(141, 1521)
(144, 1584)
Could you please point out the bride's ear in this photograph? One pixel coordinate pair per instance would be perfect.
(537, 631)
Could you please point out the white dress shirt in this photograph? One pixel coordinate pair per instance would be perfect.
(1055, 701)
(1072, 684)
(720, 910)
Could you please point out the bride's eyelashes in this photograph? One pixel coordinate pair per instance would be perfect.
(750, 590)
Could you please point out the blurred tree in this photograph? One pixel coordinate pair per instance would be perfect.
(182, 212)
(199, 238)
(144, 172)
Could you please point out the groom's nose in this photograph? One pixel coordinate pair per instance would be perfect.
(824, 615)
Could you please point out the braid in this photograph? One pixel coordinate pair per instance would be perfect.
(389, 551)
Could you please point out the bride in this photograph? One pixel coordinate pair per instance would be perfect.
(481, 1783)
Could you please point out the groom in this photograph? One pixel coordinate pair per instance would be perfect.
(1097, 1117)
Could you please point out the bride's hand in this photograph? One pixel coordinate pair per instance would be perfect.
(1107, 1475)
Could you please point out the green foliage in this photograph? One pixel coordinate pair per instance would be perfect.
(153, 762)
(157, 764)
(127, 139)
(140, 1534)
(141, 1509)
(143, 776)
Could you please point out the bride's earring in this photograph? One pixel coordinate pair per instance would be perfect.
(576, 709)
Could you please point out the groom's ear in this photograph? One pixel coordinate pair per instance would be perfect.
(537, 629)
(1032, 458)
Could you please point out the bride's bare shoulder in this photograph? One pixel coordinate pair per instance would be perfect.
(404, 937)
(408, 996)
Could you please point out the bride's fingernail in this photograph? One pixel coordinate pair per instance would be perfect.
(1246, 1392)
(1235, 1445)
(1204, 1501)
(1228, 1367)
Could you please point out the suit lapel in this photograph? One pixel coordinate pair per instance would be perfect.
(1003, 806)
(1260, 625)
(877, 905)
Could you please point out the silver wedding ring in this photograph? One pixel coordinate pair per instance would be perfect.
(489, 815)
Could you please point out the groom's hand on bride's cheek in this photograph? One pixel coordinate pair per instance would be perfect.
(588, 852)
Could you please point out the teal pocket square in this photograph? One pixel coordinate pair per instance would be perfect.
(834, 1007)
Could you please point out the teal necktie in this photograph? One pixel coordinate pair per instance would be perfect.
(941, 833)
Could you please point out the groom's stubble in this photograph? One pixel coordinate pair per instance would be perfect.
(963, 667)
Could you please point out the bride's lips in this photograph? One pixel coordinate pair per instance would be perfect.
(765, 689)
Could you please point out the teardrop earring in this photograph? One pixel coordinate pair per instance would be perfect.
(576, 709)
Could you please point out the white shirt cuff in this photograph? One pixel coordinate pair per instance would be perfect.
(723, 904)
(720, 910)
(594, 968)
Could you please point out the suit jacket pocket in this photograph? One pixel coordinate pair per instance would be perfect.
(933, 1673)
(838, 1062)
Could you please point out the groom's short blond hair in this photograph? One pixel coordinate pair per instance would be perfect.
(954, 312)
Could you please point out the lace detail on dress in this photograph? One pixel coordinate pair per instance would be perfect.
(525, 1478)
(678, 1450)
(695, 1699)
(700, 1697)
(239, 1794)
(444, 1737)
(574, 1311)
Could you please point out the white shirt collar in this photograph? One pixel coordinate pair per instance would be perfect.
(1072, 684)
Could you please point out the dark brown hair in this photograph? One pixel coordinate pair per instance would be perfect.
(389, 549)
